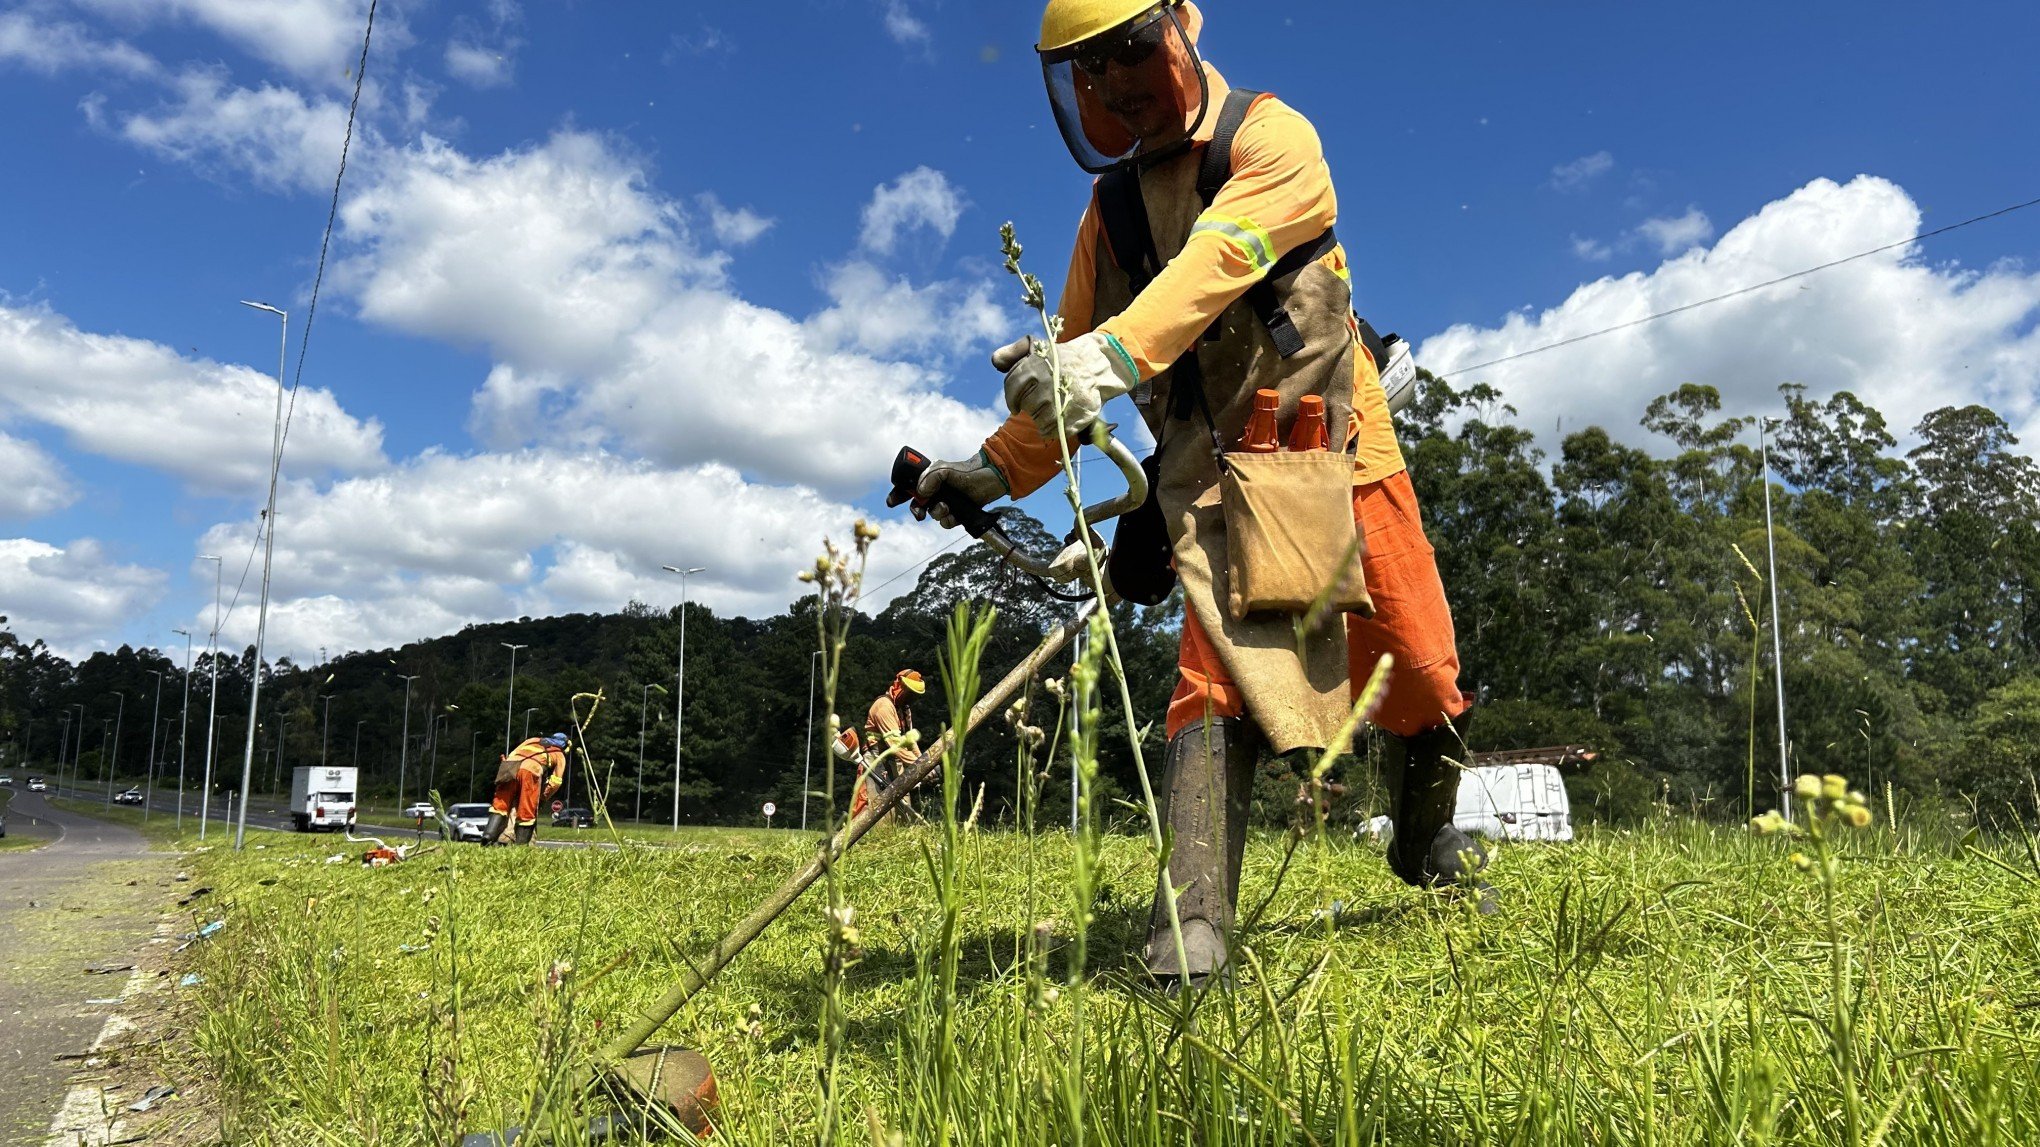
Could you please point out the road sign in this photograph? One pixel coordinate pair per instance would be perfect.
(770, 808)
(558, 806)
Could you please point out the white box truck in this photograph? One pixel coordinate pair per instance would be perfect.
(1514, 802)
(321, 798)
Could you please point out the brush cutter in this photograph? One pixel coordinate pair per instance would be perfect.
(662, 1088)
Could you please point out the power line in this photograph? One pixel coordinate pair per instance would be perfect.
(954, 542)
(312, 312)
(326, 241)
(1738, 292)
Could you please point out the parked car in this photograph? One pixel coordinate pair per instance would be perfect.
(131, 796)
(420, 808)
(37, 785)
(6, 782)
(574, 818)
(464, 822)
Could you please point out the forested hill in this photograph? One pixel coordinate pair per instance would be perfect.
(1612, 595)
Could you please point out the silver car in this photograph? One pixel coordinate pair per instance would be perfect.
(464, 822)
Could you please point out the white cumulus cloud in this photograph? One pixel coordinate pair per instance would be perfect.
(71, 596)
(444, 540)
(484, 53)
(1906, 334)
(49, 47)
(922, 197)
(132, 400)
(315, 40)
(281, 138)
(1675, 233)
(1582, 172)
(903, 26)
(31, 482)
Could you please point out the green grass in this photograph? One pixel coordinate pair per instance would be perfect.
(159, 828)
(1667, 985)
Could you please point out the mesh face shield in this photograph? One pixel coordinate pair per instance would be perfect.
(1128, 95)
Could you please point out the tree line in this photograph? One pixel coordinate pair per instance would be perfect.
(1612, 596)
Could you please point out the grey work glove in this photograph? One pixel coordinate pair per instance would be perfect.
(977, 479)
(1095, 369)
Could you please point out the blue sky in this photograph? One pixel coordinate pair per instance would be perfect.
(627, 283)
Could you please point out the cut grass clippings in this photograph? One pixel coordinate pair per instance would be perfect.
(1668, 984)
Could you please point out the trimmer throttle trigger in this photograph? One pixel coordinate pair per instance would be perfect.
(908, 466)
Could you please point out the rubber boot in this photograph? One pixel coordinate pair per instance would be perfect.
(493, 831)
(1428, 850)
(524, 832)
(1207, 788)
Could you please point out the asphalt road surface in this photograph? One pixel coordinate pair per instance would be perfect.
(63, 908)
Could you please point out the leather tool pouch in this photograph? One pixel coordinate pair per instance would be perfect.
(1290, 535)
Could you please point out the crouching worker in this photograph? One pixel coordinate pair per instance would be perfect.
(1205, 270)
(886, 751)
(528, 777)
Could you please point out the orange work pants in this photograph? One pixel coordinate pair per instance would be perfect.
(519, 796)
(1411, 622)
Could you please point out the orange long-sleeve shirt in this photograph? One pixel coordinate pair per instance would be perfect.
(1280, 197)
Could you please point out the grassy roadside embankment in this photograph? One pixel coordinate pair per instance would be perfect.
(1677, 983)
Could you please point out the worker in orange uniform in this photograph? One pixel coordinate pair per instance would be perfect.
(1206, 268)
(886, 724)
(528, 776)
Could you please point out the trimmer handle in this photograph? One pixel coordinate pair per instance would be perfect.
(908, 466)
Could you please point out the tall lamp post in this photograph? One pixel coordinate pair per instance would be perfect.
(510, 703)
(527, 723)
(77, 744)
(149, 783)
(183, 727)
(268, 557)
(326, 734)
(64, 742)
(807, 771)
(1777, 623)
(680, 683)
(472, 742)
(357, 751)
(404, 747)
(108, 765)
(212, 714)
(644, 695)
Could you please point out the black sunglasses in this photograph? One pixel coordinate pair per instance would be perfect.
(1129, 49)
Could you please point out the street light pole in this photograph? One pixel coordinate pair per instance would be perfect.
(644, 695)
(109, 765)
(1777, 623)
(510, 703)
(527, 723)
(680, 683)
(807, 771)
(404, 747)
(77, 745)
(183, 727)
(326, 734)
(268, 558)
(212, 715)
(357, 751)
(472, 742)
(149, 784)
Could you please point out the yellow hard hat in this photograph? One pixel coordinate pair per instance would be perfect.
(1066, 22)
(910, 679)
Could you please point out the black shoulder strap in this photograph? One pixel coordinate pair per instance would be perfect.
(1124, 215)
(1212, 172)
(1216, 166)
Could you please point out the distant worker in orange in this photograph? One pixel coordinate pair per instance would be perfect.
(528, 777)
(886, 726)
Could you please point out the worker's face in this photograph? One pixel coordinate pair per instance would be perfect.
(1141, 79)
